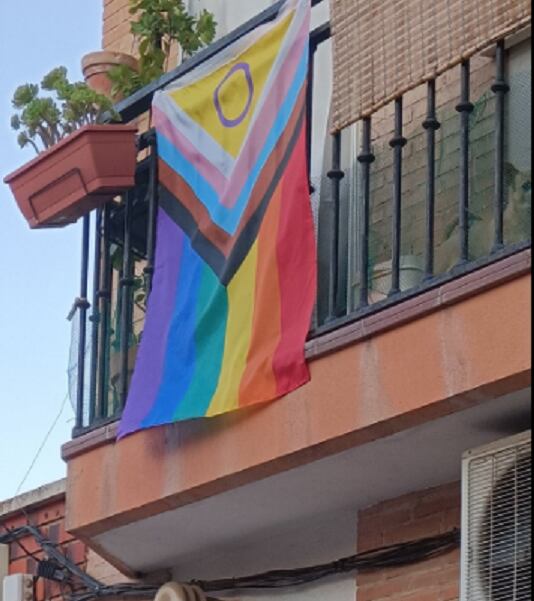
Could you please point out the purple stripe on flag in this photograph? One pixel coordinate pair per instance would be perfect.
(151, 355)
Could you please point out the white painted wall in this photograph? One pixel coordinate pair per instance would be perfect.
(229, 14)
(322, 540)
(520, 106)
(232, 13)
(4, 566)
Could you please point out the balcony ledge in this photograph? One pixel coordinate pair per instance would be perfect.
(444, 294)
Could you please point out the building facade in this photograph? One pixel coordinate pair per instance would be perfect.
(369, 454)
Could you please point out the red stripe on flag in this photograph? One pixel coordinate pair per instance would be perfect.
(296, 254)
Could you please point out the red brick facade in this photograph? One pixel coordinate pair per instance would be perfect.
(417, 515)
(49, 517)
(116, 27)
(45, 508)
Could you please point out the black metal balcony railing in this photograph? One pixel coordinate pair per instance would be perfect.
(125, 231)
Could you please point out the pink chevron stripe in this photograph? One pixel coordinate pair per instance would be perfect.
(268, 112)
(207, 169)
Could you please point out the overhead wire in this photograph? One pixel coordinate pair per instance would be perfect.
(42, 445)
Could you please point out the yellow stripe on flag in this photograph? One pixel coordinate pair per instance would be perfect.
(198, 99)
(241, 291)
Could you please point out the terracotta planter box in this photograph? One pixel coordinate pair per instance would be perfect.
(80, 173)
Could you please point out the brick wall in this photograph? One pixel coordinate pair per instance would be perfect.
(49, 517)
(418, 515)
(45, 508)
(116, 27)
(116, 35)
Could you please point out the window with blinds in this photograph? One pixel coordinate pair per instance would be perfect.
(383, 49)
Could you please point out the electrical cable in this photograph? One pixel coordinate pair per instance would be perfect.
(387, 557)
(51, 551)
(12, 532)
(41, 447)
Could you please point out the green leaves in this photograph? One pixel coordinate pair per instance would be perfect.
(124, 80)
(206, 27)
(56, 81)
(139, 280)
(45, 120)
(159, 27)
(24, 95)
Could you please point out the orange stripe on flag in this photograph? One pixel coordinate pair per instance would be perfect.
(259, 380)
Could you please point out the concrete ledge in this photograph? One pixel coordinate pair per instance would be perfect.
(34, 498)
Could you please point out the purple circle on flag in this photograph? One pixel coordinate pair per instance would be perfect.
(245, 67)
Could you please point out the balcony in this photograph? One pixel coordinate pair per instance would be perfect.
(420, 195)
(419, 337)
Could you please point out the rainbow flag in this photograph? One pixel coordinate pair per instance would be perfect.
(235, 278)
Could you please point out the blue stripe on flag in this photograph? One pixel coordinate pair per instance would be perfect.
(180, 355)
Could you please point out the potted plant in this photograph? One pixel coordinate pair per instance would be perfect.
(97, 65)
(162, 30)
(81, 163)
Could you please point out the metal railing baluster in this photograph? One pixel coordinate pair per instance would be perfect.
(126, 284)
(500, 88)
(82, 304)
(465, 108)
(309, 110)
(431, 125)
(398, 142)
(105, 315)
(366, 158)
(335, 175)
(95, 316)
(153, 203)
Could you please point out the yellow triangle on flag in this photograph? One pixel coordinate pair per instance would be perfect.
(223, 102)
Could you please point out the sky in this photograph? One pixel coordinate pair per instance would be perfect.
(39, 270)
